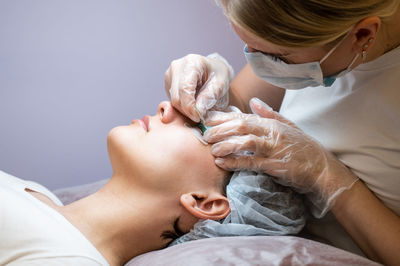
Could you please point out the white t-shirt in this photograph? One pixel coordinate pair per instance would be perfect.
(32, 233)
(358, 119)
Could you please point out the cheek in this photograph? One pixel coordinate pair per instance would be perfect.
(121, 146)
(119, 138)
(171, 153)
(171, 149)
(187, 155)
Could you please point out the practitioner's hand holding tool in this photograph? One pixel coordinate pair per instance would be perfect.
(195, 84)
(267, 142)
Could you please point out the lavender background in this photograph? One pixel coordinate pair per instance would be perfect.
(72, 70)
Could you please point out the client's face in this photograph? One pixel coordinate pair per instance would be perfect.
(163, 153)
(170, 173)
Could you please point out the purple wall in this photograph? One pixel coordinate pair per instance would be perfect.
(72, 70)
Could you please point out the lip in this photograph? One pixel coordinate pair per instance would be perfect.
(146, 122)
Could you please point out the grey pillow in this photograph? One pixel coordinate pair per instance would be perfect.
(71, 194)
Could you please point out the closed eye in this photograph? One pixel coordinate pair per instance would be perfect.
(281, 57)
(198, 133)
(202, 128)
(175, 234)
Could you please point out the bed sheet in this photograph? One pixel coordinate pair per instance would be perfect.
(254, 250)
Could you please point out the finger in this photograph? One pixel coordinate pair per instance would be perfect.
(214, 118)
(184, 83)
(205, 99)
(223, 102)
(223, 131)
(240, 145)
(277, 177)
(172, 82)
(173, 91)
(167, 82)
(252, 125)
(211, 92)
(188, 105)
(235, 163)
(232, 109)
(253, 163)
(264, 110)
(187, 92)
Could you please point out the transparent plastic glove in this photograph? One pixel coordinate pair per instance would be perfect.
(267, 142)
(196, 84)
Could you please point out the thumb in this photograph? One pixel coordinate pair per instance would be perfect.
(262, 109)
(209, 94)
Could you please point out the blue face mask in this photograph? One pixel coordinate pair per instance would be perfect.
(293, 76)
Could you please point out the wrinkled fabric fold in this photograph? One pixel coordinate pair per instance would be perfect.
(258, 205)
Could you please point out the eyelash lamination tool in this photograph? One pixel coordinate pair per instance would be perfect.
(202, 127)
(198, 132)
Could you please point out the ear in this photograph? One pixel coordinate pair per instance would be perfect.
(212, 206)
(166, 112)
(365, 33)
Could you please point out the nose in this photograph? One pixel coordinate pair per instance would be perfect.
(169, 114)
(166, 112)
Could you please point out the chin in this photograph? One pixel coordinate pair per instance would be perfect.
(122, 135)
(114, 132)
(121, 143)
(113, 136)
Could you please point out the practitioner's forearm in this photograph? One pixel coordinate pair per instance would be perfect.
(374, 227)
(247, 85)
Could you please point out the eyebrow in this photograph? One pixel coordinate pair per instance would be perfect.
(178, 231)
(275, 54)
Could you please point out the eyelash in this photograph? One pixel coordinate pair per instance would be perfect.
(281, 57)
(177, 233)
(200, 130)
(284, 59)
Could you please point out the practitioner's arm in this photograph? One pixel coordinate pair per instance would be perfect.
(374, 227)
(247, 85)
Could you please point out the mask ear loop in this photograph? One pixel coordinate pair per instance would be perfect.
(351, 64)
(363, 56)
(336, 46)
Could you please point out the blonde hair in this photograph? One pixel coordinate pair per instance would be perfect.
(303, 23)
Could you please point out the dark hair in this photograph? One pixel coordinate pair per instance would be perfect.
(175, 234)
(225, 182)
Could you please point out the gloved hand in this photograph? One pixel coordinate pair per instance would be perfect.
(267, 142)
(196, 84)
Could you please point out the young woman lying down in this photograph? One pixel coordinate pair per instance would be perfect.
(164, 181)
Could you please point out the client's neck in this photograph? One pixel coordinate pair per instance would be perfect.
(116, 221)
